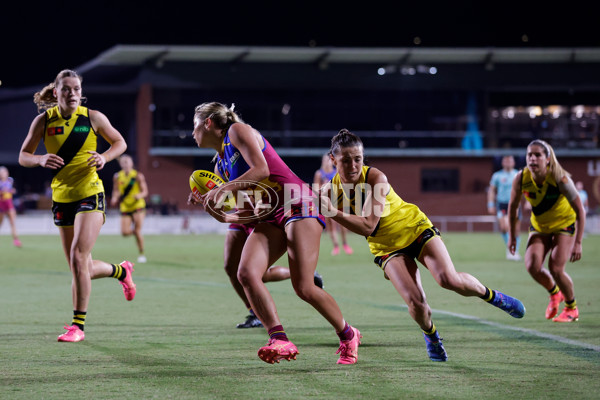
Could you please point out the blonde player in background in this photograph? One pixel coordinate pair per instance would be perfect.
(70, 133)
(557, 226)
(129, 192)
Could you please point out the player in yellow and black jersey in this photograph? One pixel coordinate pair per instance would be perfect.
(70, 132)
(399, 234)
(557, 225)
(129, 192)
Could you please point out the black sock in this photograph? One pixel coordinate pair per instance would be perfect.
(118, 272)
(488, 296)
(79, 318)
(555, 289)
(430, 331)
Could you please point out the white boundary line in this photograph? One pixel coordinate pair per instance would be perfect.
(524, 330)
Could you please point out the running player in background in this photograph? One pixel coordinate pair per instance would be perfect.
(129, 192)
(322, 176)
(399, 234)
(583, 195)
(557, 226)
(70, 133)
(7, 207)
(497, 202)
(290, 224)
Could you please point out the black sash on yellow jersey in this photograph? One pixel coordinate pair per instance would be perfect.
(550, 209)
(75, 141)
(128, 188)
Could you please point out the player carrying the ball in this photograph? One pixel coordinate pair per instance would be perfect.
(248, 161)
(399, 234)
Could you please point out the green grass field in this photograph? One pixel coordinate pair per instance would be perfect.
(177, 339)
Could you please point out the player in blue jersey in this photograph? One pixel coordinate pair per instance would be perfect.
(498, 198)
(583, 196)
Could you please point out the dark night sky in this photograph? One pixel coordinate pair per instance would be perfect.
(40, 39)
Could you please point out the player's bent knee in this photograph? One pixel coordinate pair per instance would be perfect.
(231, 270)
(247, 278)
(306, 292)
(447, 282)
(418, 307)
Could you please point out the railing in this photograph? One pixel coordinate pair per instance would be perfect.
(443, 221)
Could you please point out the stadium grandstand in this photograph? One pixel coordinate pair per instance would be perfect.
(437, 120)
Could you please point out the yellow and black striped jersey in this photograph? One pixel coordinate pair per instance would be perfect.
(400, 224)
(71, 139)
(129, 186)
(550, 209)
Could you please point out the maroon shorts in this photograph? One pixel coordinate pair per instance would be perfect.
(247, 228)
(6, 205)
(305, 209)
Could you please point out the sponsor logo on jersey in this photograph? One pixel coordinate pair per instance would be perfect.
(81, 129)
(234, 158)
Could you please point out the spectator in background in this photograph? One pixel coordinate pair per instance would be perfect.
(129, 192)
(7, 207)
(557, 226)
(497, 202)
(322, 176)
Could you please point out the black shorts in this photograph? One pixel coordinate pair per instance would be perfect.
(567, 230)
(503, 207)
(64, 213)
(502, 211)
(130, 213)
(413, 250)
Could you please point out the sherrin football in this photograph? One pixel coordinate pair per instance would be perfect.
(201, 181)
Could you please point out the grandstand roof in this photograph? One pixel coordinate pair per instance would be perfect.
(339, 68)
(138, 55)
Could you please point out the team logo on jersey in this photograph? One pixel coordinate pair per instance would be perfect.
(56, 130)
(530, 195)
